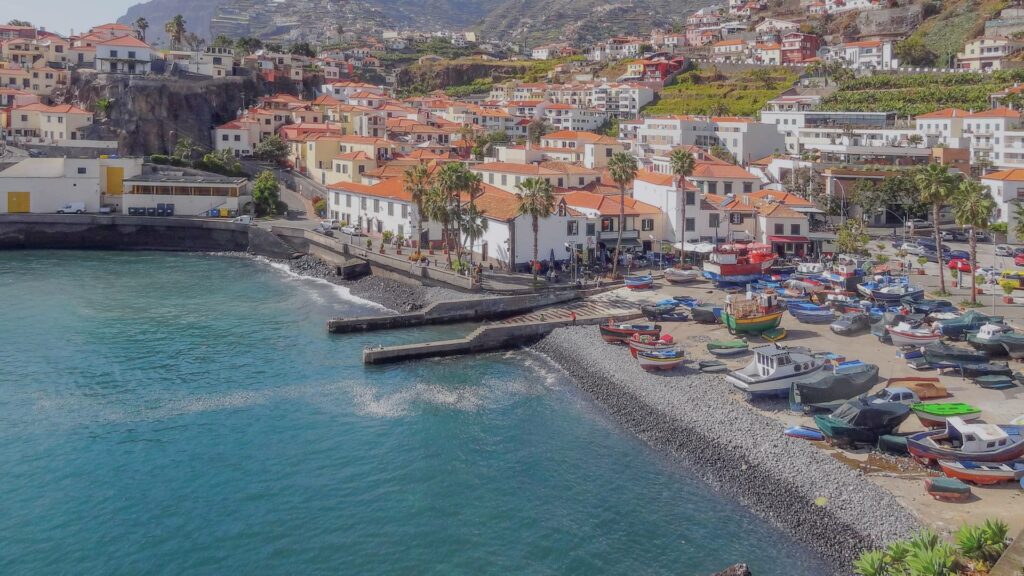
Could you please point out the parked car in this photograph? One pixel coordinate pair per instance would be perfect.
(982, 236)
(243, 219)
(106, 209)
(331, 223)
(324, 228)
(898, 394)
(352, 231)
(1019, 250)
(958, 255)
(917, 223)
(1004, 250)
(960, 265)
(72, 208)
(911, 248)
(954, 236)
(1018, 259)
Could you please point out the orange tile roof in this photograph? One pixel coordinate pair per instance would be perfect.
(1001, 112)
(607, 205)
(709, 170)
(781, 197)
(1012, 175)
(864, 44)
(945, 113)
(778, 211)
(353, 156)
(59, 109)
(655, 178)
(127, 41)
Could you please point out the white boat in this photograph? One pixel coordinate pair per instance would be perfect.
(773, 369)
(677, 276)
(810, 268)
(904, 334)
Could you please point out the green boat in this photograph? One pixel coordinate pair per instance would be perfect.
(754, 315)
(935, 414)
(727, 347)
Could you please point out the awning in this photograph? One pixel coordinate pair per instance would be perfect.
(698, 247)
(788, 240)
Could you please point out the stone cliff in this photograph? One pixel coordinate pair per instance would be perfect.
(439, 75)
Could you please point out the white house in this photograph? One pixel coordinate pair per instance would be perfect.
(45, 185)
(1007, 187)
(867, 55)
(123, 55)
(659, 190)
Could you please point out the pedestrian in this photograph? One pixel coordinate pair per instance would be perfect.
(490, 265)
(572, 315)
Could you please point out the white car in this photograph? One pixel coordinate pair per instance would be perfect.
(1004, 250)
(331, 223)
(72, 208)
(897, 394)
(243, 219)
(352, 231)
(911, 248)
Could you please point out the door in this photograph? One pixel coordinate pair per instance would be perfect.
(115, 180)
(18, 202)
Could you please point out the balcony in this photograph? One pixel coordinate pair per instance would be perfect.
(614, 235)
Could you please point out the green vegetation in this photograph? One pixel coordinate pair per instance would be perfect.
(271, 149)
(265, 194)
(711, 92)
(913, 94)
(925, 554)
(478, 86)
(940, 37)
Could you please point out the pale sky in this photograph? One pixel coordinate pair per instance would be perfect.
(61, 16)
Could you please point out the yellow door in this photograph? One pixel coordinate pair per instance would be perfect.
(115, 180)
(18, 202)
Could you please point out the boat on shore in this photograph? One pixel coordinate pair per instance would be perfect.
(947, 489)
(621, 333)
(660, 359)
(639, 282)
(1013, 344)
(844, 381)
(934, 415)
(655, 312)
(989, 338)
(728, 347)
(983, 473)
(958, 327)
(939, 352)
(804, 433)
(738, 263)
(752, 314)
(807, 313)
(903, 334)
(648, 343)
(963, 441)
(681, 275)
(861, 421)
(985, 369)
(773, 370)
(890, 290)
(705, 313)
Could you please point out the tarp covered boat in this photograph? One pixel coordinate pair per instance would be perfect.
(947, 489)
(639, 282)
(861, 421)
(728, 347)
(704, 314)
(939, 352)
(679, 276)
(845, 381)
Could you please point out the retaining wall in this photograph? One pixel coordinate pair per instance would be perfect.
(117, 232)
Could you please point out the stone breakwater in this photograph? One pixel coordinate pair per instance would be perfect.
(826, 505)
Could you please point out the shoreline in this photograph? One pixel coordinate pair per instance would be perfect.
(735, 449)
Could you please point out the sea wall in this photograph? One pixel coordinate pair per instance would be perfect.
(698, 418)
(115, 232)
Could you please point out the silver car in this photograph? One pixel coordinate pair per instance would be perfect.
(1004, 250)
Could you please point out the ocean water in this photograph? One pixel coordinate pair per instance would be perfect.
(189, 414)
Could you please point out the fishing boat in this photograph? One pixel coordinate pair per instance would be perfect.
(989, 338)
(962, 441)
(656, 311)
(738, 263)
(983, 473)
(810, 268)
(712, 366)
(621, 333)
(804, 433)
(639, 282)
(903, 334)
(773, 369)
(811, 314)
(890, 290)
(957, 328)
(947, 489)
(934, 415)
(681, 276)
(774, 335)
(893, 444)
(647, 343)
(860, 421)
(660, 359)
(753, 314)
(940, 352)
(994, 382)
(928, 306)
(985, 369)
(704, 314)
(1014, 345)
(676, 316)
(844, 381)
(728, 347)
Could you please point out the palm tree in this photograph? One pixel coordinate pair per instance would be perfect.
(141, 25)
(437, 207)
(474, 224)
(935, 185)
(973, 206)
(454, 179)
(175, 29)
(536, 129)
(682, 164)
(623, 169)
(536, 200)
(417, 183)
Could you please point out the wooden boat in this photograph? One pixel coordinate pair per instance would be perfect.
(804, 433)
(903, 334)
(934, 415)
(660, 359)
(647, 343)
(728, 347)
(738, 263)
(985, 369)
(983, 473)
(994, 382)
(925, 388)
(989, 338)
(753, 314)
(712, 366)
(861, 421)
(774, 335)
(940, 352)
(680, 276)
(844, 381)
(927, 306)
(811, 314)
(962, 441)
(947, 489)
(811, 268)
(773, 369)
(639, 282)
(621, 333)
(890, 290)
(704, 314)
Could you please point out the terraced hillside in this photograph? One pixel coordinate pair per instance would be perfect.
(913, 94)
(708, 91)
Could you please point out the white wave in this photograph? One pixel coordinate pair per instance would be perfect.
(371, 402)
(342, 292)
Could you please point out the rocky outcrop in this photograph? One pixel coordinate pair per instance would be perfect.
(735, 570)
(439, 75)
(147, 115)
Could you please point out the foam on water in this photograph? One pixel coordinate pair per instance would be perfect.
(342, 292)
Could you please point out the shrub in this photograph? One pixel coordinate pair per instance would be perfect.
(922, 260)
(160, 159)
(388, 236)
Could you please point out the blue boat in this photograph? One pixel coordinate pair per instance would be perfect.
(808, 313)
(805, 433)
(889, 290)
(638, 282)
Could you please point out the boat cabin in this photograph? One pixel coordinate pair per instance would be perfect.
(992, 331)
(975, 437)
(772, 357)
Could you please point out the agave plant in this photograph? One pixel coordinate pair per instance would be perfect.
(871, 563)
(896, 554)
(995, 533)
(939, 560)
(971, 542)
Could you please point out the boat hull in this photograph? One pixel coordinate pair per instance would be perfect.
(1013, 347)
(777, 388)
(895, 297)
(754, 325)
(654, 362)
(636, 347)
(832, 387)
(615, 335)
(983, 473)
(931, 420)
(921, 448)
(992, 347)
(912, 338)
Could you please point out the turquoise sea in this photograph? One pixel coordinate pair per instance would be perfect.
(189, 414)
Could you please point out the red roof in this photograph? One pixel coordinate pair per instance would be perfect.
(127, 41)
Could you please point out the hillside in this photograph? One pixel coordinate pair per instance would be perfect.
(708, 91)
(913, 94)
(197, 14)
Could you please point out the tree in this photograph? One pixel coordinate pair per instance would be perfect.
(266, 193)
(416, 184)
(271, 149)
(682, 164)
(175, 29)
(852, 238)
(222, 41)
(474, 224)
(623, 169)
(248, 45)
(762, 76)
(437, 207)
(915, 140)
(536, 130)
(1018, 220)
(935, 186)
(23, 23)
(536, 200)
(194, 41)
(141, 25)
(185, 149)
(973, 206)
(913, 51)
(722, 153)
(302, 49)
(274, 47)
(222, 162)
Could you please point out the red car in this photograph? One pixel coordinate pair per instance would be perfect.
(1019, 259)
(960, 265)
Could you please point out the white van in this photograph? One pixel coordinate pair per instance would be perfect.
(244, 219)
(72, 208)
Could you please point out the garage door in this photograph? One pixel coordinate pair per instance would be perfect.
(18, 202)
(115, 180)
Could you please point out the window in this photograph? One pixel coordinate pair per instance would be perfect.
(747, 187)
(362, 168)
(405, 210)
(81, 169)
(113, 53)
(337, 198)
(691, 224)
(362, 203)
(713, 220)
(712, 187)
(391, 208)
(238, 137)
(728, 187)
(131, 54)
(572, 228)
(348, 200)
(691, 198)
(224, 137)
(607, 225)
(794, 229)
(376, 206)
(780, 229)
(607, 152)
(591, 229)
(647, 224)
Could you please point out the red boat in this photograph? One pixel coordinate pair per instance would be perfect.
(983, 473)
(739, 263)
(643, 343)
(621, 333)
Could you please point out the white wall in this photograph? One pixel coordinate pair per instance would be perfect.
(50, 194)
(183, 205)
